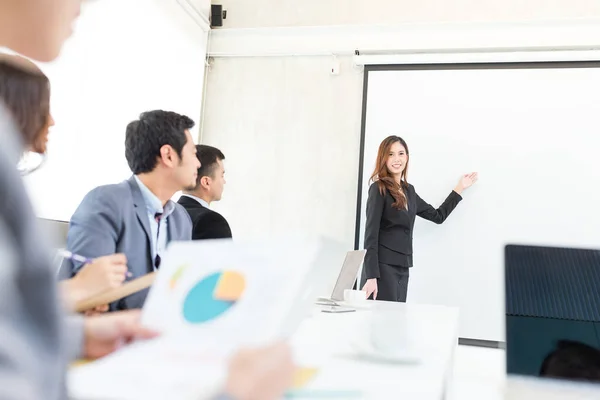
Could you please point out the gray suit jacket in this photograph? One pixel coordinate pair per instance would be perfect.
(113, 219)
(35, 344)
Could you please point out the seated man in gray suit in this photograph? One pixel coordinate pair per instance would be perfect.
(136, 217)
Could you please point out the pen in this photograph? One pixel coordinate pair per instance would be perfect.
(74, 257)
(78, 258)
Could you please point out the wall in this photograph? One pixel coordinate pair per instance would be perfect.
(289, 157)
(290, 130)
(126, 57)
(263, 13)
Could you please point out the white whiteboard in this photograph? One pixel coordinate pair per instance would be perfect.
(534, 137)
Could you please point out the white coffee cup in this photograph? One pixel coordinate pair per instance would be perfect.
(390, 332)
(354, 296)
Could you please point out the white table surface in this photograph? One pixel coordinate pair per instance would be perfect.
(431, 333)
(327, 340)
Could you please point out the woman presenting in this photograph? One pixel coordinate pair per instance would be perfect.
(392, 206)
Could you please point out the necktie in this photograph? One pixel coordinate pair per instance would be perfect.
(157, 218)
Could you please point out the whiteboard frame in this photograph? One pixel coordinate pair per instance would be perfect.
(462, 56)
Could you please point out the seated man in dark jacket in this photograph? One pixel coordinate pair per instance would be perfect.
(207, 224)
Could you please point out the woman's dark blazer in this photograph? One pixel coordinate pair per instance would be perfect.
(389, 231)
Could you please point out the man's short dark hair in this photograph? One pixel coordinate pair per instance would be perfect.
(154, 129)
(208, 157)
(572, 360)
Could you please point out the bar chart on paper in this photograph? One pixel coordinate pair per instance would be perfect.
(212, 296)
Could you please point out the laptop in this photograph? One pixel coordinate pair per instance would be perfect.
(528, 387)
(346, 277)
(552, 311)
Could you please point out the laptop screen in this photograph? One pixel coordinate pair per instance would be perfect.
(553, 312)
(348, 273)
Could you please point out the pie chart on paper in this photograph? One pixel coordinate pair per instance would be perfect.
(213, 296)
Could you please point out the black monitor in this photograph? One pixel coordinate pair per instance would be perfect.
(553, 312)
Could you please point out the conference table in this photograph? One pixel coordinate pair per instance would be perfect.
(336, 343)
(427, 336)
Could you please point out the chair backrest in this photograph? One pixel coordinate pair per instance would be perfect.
(57, 262)
(55, 231)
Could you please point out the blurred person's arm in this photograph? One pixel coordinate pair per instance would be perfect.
(74, 337)
(32, 352)
(103, 274)
(18, 359)
(259, 374)
(97, 336)
(104, 334)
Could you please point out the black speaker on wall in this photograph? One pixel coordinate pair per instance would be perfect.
(217, 15)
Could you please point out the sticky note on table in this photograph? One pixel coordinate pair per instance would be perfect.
(80, 362)
(230, 286)
(302, 376)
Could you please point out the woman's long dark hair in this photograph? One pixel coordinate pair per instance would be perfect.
(381, 175)
(25, 93)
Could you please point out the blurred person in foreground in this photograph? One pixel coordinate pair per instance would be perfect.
(37, 344)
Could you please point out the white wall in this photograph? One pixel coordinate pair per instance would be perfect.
(263, 13)
(126, 57)
(290, 160)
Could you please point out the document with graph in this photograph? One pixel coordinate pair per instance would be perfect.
(239, 292)
(209, 299)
